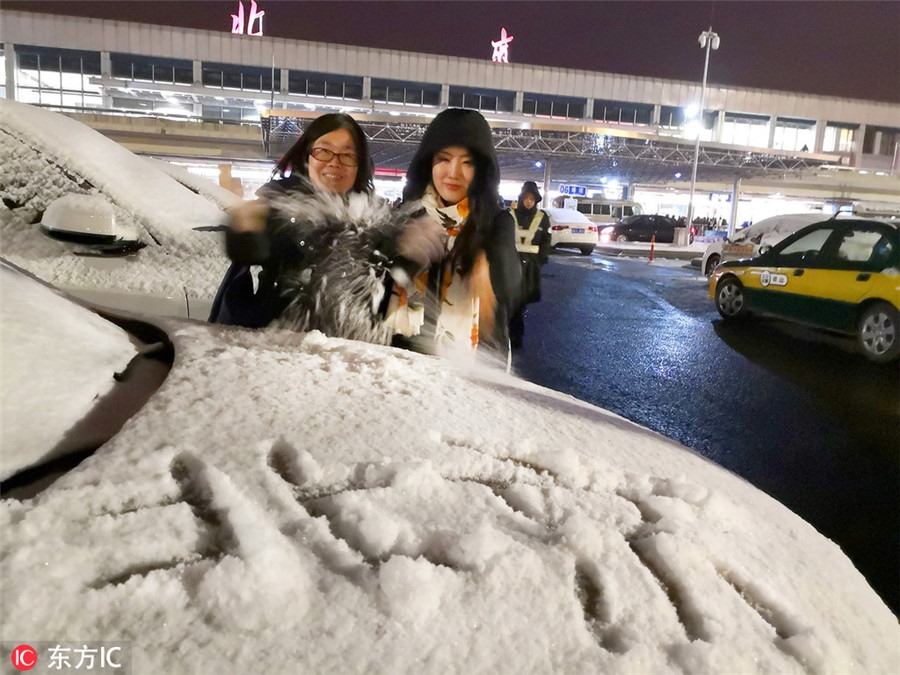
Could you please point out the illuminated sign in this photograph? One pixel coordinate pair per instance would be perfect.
(237, 20)
(577, 190)
(501, 47)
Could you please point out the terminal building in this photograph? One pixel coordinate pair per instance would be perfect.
(227, 104)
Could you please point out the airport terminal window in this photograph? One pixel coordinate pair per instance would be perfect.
(671, 117)
(58, 77)
(839, 137)
(620, 112)
(324, 85)
(540, 105)
(749, 130)
(488, 100)
(231, 113)
(152, 102)
(881, 141)
(149, 69)
(244, 78)
(796, 135)
(407, 93)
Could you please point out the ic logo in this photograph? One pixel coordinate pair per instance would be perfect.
(23, 657)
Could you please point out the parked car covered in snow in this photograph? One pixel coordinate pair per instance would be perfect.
(746, 243)
(571, 229)
(274, 501)
(85, 214)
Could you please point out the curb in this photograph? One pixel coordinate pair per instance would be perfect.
(644, 252)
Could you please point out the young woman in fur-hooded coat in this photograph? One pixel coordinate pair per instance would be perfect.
(320, 243)
(465, 301)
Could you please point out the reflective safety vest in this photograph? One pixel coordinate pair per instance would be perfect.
(525, 237)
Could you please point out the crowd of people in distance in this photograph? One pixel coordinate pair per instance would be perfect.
(447, 271)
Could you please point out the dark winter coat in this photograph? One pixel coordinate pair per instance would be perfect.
(324, 262)
(236, 303)
(493, 233)
(532, 261)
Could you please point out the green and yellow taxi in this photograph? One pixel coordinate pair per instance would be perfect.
(839, 275)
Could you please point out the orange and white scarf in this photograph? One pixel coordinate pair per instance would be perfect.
(456, 327)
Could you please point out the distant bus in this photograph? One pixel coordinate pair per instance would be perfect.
(602, 211)
(866, 209)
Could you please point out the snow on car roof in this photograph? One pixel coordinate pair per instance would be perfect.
(288, 502)
(782, 225)
(566, 215)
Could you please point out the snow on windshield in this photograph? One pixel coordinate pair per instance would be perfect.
(294, 503)
(206, 188)
(58, 358)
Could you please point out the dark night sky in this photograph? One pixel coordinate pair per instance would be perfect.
(847, 49)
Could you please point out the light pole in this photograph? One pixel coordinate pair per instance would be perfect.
(708, 40)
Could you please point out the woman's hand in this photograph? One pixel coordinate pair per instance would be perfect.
(422, 242)
(249, 216)
(481, 288)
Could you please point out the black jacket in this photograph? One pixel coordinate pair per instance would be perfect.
(236, 303)
(506, 276)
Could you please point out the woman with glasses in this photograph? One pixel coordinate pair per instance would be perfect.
(321, 239)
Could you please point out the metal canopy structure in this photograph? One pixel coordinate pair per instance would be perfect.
(577, 156)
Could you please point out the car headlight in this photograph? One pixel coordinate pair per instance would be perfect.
(607, 230)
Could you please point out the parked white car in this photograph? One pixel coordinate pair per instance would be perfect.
(122, 233)
(571, 229)
(746, 242)
(270, 501)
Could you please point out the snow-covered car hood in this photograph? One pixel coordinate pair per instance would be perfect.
(288, 502)
(45, 156)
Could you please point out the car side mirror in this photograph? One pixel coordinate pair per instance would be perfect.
(765, 248)
(88, 219)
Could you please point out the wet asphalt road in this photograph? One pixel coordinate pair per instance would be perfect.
(797, 413)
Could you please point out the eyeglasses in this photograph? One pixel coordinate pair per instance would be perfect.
(326, 155)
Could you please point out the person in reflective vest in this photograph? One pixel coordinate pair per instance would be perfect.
(533, 244)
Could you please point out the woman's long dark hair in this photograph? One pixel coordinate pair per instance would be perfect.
(467, 129)
(296, 160)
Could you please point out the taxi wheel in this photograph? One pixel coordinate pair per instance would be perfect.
(730, 299)
(711, 263)
(877, 333)
(586, 250)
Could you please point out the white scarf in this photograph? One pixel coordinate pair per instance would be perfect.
(456, 328)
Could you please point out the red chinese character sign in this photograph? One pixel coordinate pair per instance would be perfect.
(237, 20)
(501, 47)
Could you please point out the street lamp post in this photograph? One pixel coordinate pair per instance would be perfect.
(708, 40)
